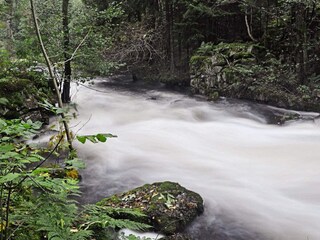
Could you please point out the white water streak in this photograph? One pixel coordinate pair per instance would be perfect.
(264, 178)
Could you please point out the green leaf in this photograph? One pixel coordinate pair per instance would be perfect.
(101, 137)
(82, 139)
(37, 125)
(75, 163)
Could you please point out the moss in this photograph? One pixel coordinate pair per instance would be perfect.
(168, 206)
(167, 186)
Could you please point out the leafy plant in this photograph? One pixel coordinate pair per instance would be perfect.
(36, 202)
(32, 202)
(101, 137)
(102, 216)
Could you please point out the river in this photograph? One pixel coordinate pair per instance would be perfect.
(259, 181)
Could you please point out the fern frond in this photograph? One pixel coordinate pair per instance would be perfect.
(108, 217)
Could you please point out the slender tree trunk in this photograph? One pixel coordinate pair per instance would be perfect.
(167, 27)
(66, 49)
(6, 227)
(9, 26)
(169, 19)
(55, 82)
(301, 28)
(1, 208)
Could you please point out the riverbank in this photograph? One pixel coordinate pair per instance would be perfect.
(249, 71)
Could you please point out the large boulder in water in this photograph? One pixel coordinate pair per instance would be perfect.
(168, 206)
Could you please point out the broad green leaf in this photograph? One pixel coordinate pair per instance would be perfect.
(82, 139)
(101, 137)
(27, 125)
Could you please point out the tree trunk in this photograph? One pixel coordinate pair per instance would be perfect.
(169, 33)
(172, 65)
(52, 76)
(66, 49)
(9, 26)
(301, 52)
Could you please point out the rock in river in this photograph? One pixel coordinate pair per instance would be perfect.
(168, 206)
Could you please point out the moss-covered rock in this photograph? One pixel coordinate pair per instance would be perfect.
(168, 207)
(248, 71)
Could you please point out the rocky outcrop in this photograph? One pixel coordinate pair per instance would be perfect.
(249, 71)
(167, 206)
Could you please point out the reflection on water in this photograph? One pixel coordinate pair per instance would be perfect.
(259, 181)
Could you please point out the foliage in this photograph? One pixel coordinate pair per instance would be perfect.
(36, 203)
(23, 84)
(250, 71)
(96, 216)
(100, 137)
(25, 190)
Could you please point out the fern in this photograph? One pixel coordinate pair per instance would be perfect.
(107, 217)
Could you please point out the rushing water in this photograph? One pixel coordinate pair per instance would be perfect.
(259, 181)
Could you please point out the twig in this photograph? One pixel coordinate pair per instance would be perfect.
(75, 51)
(83, 125)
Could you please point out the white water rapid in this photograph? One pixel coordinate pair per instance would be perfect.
(259, 181)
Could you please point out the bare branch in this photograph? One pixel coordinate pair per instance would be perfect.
(75, 51)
